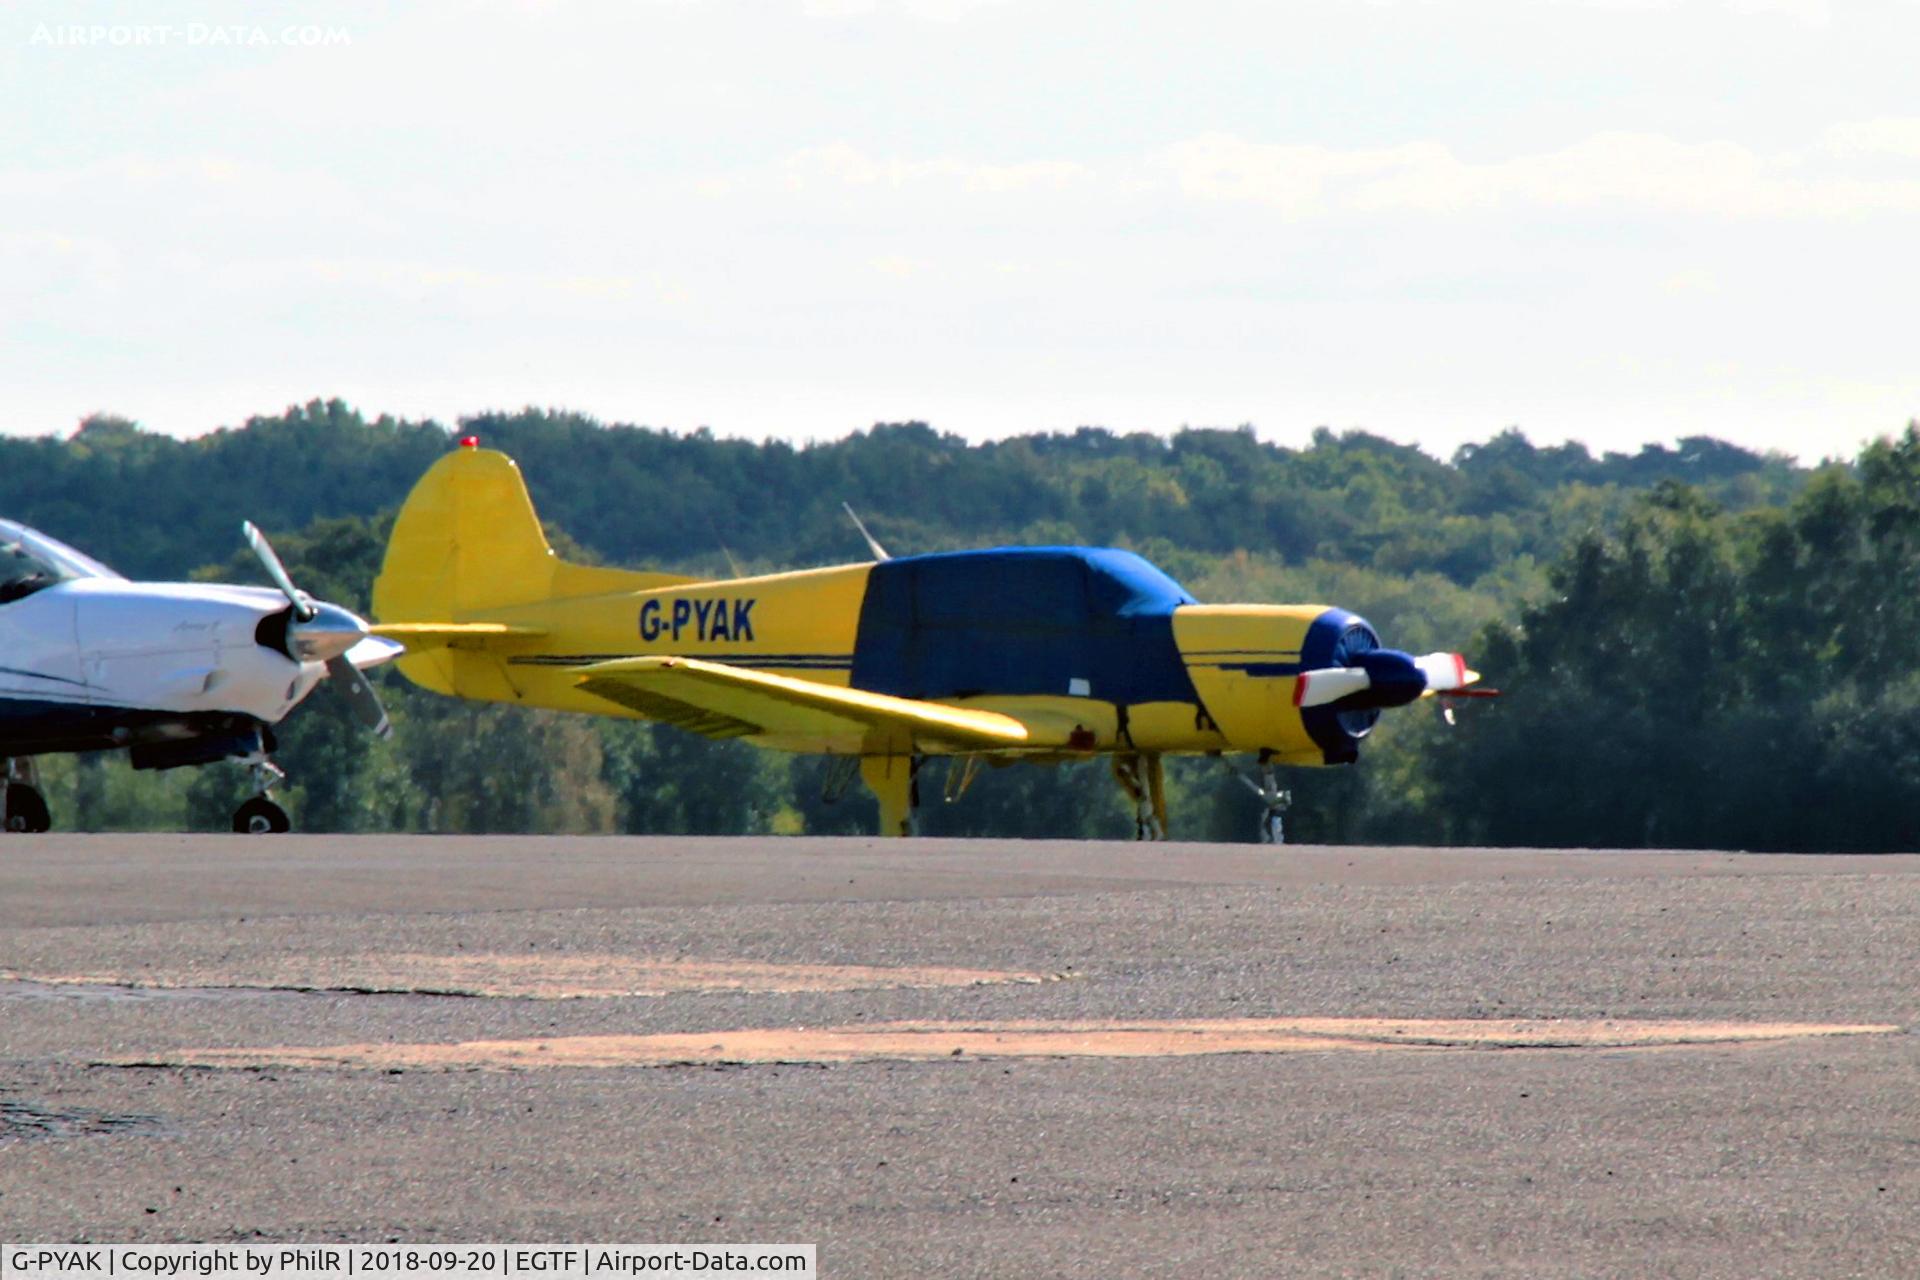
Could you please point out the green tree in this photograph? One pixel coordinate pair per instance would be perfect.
(666, 780)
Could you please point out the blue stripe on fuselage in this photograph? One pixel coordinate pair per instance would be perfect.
(795, 661)
(41, 675)
(1258, 668)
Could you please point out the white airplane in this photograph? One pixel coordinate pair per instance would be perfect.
(177, 673)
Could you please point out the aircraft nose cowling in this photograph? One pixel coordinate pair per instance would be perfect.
(1248, 662)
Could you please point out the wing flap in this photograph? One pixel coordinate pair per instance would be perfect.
(668, 710)
(731, 701)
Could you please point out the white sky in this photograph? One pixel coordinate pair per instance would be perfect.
(1615, 221)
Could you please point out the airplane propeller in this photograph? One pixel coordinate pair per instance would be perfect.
(321, 632)
(303, 608)
(1389, 678)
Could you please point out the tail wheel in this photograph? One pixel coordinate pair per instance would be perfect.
(26, 810)
(261, 816)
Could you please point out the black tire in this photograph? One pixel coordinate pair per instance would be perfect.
(261, 816)
(26, 809)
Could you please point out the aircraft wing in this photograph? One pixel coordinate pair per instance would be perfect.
(722, 701)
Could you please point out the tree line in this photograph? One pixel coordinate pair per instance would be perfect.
(153, 505)
(1702, 646)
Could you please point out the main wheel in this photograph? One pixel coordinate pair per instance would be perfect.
(26, 809)
(261, 816)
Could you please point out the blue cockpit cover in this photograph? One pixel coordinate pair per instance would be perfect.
(1022, 620)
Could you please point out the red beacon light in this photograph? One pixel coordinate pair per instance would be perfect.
(469, 442)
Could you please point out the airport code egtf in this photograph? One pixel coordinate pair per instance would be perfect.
(336, 1262)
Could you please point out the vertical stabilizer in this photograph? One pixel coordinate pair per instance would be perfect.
(467, 543)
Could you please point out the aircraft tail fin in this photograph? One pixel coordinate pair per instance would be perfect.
(467, 543)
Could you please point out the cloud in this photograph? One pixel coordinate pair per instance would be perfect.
(1884, 136)
(1297, 179)
(36, 263)
(1621, 170)
(419, 282)
(1694, 282)
(898, 266)
(840, 164)
(1814, 13)
(926, 10)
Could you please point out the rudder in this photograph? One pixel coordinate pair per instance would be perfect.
(467, 542)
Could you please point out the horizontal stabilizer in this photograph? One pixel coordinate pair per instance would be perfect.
(417, 636)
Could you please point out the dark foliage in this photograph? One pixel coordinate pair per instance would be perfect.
(1719, 651)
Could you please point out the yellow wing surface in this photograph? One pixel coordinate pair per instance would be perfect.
(722, 701)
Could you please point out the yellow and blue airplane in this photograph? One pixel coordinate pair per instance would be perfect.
(1034, 653)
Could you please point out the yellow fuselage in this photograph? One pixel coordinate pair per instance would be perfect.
(1241, 661)
(1097, 645)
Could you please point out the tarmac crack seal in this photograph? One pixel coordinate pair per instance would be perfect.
(533, 977)
(1029, 1039)
(30, 1120)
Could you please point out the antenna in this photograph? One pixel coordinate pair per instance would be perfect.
(879, 552)
(731, 563)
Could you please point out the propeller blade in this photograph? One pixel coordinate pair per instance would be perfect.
(1447, 697)
(1445, 672)
(1329, 684)
(359, 695)
(263, 550)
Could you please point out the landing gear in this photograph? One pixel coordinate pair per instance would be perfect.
(1143, 781)
(895, 783)
(1275, 800)
(22, 807)
(260, 816)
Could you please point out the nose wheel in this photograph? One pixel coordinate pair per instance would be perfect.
(261, 816)
(1275, 800)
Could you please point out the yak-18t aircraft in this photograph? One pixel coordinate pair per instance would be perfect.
(177, 673)
(1015, 653)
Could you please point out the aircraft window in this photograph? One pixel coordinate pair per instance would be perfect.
(22, 573)
(30, 561)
